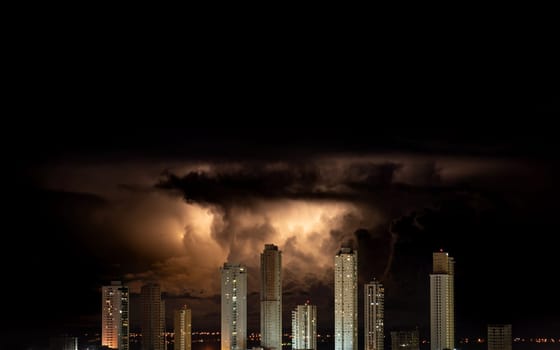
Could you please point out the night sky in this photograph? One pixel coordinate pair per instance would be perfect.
(116, 170)
(173, 204)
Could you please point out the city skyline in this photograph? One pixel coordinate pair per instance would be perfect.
(399, 196)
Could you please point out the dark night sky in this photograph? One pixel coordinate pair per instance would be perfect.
(160, 174)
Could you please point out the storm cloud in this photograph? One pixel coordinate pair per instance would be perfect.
(176, 223)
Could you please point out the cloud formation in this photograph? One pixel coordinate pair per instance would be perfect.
(179, 225)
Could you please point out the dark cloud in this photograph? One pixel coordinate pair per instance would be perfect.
(244, 181)
(419, 205)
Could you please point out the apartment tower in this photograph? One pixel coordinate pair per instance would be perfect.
(304, 327)
(346, 299)
(234, 307)
(271, 298)
(152, 318)
(374, 298)
(442, 303)
(114, 316)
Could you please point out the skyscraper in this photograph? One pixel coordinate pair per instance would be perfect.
(405, 340)
(153, 317)
(374, 295)
(182, 329)
(304, 327)
(114, 316)
(346, 299)
(271, 297)
(234, 307)
(442, 303)
(499, 337)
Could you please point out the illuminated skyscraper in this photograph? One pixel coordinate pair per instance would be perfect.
(114, 316)
(346, 299)
(442, 302)
(374, 295)
(405, 340)
(234, 307)
(153, 317)
(271, 297)
(182, 329)
(499, 337)
(304, 327)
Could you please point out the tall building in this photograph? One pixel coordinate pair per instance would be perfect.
(374, 295)
(405, 340)
(153, 317)
(304, 327)
(114, 316)
(442, 303)
(271, 297)
(234, 307)
(499, 337)
(346, 299)
(63, 343)
(182, 329)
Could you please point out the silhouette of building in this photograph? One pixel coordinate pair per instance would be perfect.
(153, 317)
(63, 343)
(499, 337)
(405, 340)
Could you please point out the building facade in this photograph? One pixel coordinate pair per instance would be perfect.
(374, 301)
(182, 329)
(442, 302)
(152, 318)
(499, 337)
(234, 307)
(346, 299)
(114, 316)
(405, 340)
(271, 297)
(304, 327)
(63, 343)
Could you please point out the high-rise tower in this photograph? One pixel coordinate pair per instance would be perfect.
(304, 327)
(271, 297)
(346, 299)
(182, 328)
(114, 316)
(374, 299)
(153, 317)
(234, 307)
(442, 303)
